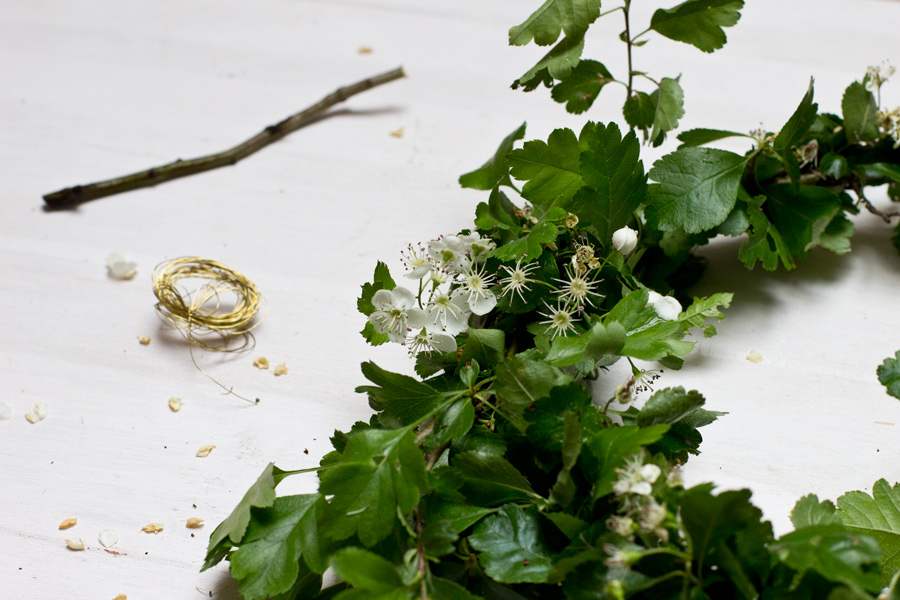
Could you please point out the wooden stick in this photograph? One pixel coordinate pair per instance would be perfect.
(182, 168)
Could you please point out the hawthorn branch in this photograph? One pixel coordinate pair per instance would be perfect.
(182, 168)
(856, 186)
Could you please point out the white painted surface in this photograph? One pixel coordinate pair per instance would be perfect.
(98, 88)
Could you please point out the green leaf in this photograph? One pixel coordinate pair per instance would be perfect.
(569, 525)
(459, 516)
(706, 308)
(266, 563)
(512, 549)
(444, 589)
(809, 511)
(889, 375)
(438, 538)
(564, 490)
(547, 419)
(836, 235)
(521, 382)
(231, 531)
(582, 86)
(489, 480)
(399, 397)
(697, 188)
(498, 212)
(607, 449)
(543, 26)
(795, 213)
(612, 168)
(556, 64)
(455, 421)
(380, 281)
(551, 170)
(669, 406)
(860, 113)
(832, 551)
(799, 123)
(381, 472)
(889, 171)
(876, 516)
(495, 170)
(528, 246)
(834, 166)
(603, 340)
(765, 243)
(700, 137)
(366, 571)
(487, 346)
(669, 109)
(640, 111)
(698, 22)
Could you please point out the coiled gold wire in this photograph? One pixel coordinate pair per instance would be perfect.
(207, 310)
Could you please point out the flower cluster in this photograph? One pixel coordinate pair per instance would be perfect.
(889, 122)
(639, 511)
(876, 76)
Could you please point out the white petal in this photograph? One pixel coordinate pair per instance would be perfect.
(420, 271)
(650, 473)
(624, 240)
(668, 308)
(382, 299)
(41, 410)
(653, 298)
(5, 412)
(452, 242)
(108, 538)
(482, 305)
(456, 322)
(403, 298)
(643, 488)
(397, 337)
(443, 342)
(415, 318)
(379, 321)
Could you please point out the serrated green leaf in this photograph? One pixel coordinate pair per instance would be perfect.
(490, 480)
(669, 109)
(231, 531)
(836, 235)
(544, 25)
(521, 382)
(705, 308)
(809, 511)
(765, 243)
(612, 169)
(860, 113)
(700, 137)
(639, 111)
(606, 449)
(833, 551)
(551, 170)
(582, 86)
(669, 405)
(697, 189)
(795, 213)
(438, 538)
(876, 516)
(459, 516)
(529, 245)
(366, 571)
(498, 212)
(556, 64)
(455, 421)
(547, 419)
(698, 22)
(512, 549)
(399, 397)
(647, 336)
(564, 489)
(799, 123)
(267, 561)
(495, 170)
(889, 375)
(381, 472)
(487, 346)
(381, 280)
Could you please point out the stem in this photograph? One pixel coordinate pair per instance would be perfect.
(641, 34)
(628, 42)
(612, 10)
(182, 168)
(856, 186)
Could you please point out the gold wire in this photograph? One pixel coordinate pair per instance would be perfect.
(200, 313)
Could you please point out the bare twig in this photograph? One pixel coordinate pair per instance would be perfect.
(858, 190)
(182, 168)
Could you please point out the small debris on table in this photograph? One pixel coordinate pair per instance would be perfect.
(281, 370)
(119, 267)
(144, 340)
(152, 528)
(70, 522)
(76, 544)
(204, 451)
(397, 133)
(120, 597)
(38, 414)
(755, 357)
(175, 404)
(364, 50)
(108, 538)
(261, 363)
(194, 523)
(5, 411)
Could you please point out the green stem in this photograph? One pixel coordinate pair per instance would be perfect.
(610, 11)
(628, 42)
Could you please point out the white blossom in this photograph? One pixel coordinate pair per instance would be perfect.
(666, 307)
(450, 252)
(559, 320)
(877, 76)
(623, 526)
(577, 289)
(395, 312)
(651, 516)
(416, 262)
(625, 240)
(424, 341)
(119, 268)
(475, 288)
(518, 279)
(447, 313)
(477, 245)
(636, 477)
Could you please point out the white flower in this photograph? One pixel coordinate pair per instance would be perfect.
(446, 313)
(625, 240)
(577, 289)
(416, 262)
(623, 526)
(423, 341)
(395, 311)
(476, 245)
(877, 76)
(449, 252)
(666, 307)
(559, 320)
(518, 278)
(119, 268)
(475, 284)
(652, 515)
(636, 477)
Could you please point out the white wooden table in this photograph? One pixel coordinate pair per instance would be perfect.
(99, 88)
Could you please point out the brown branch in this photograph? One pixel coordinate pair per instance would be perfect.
(182, 168)
(858, 190)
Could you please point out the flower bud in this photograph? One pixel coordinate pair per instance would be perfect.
(625, 240)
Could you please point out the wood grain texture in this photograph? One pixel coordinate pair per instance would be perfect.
(97, 88)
